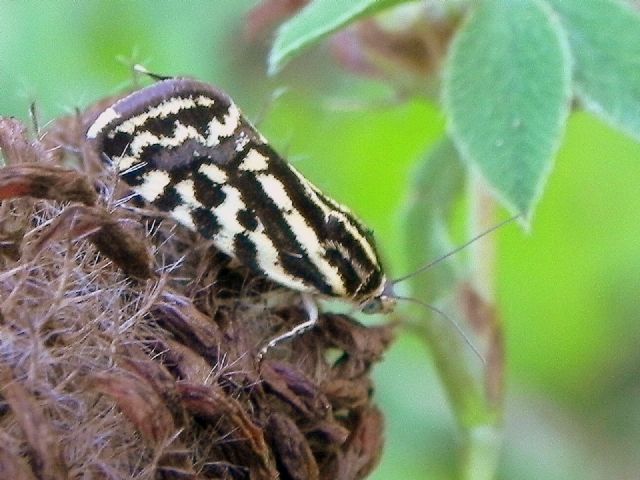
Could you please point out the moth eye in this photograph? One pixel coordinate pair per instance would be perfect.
(373, 305)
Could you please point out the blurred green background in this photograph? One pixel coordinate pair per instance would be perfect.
(569, 291)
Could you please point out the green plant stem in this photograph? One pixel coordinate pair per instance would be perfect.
(480, 452)
(478, 419)
(474, 388)
(482, 441)
(483, 252)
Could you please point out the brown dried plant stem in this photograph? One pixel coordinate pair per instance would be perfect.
(128, 345)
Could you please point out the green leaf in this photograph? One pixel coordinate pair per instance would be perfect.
(437, 185)
(604, 36)
(507, 95)
(317, 20)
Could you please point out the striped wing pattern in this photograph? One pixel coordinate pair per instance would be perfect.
(185, 147)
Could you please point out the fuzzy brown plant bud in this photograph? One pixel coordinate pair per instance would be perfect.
(128, 345)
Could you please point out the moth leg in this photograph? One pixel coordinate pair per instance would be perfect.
(312, 311)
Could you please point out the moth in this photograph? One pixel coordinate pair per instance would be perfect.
(185, 147)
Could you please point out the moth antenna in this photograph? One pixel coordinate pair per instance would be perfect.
(455, 250)
(268, 105)
(466, 339)
(137, 68)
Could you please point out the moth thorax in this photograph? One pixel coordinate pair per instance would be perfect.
(382, 302)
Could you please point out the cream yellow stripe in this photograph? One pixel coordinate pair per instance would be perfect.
(254, 161)
(153, 184)
(303, 232)
(218, 129)
(102, 121)
(215, 174)
(338, 212)
(162, 110)
(267, 255)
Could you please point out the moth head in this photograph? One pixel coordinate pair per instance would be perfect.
(383, 302)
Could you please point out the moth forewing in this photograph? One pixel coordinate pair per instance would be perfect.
(185, 147)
